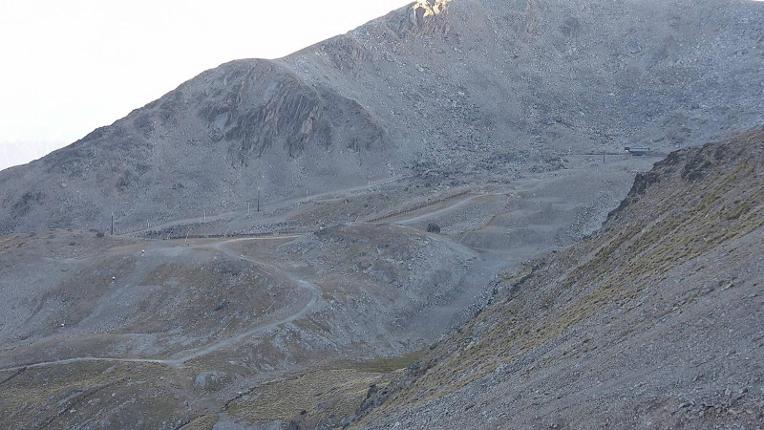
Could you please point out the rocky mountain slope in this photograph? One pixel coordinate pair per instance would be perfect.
(253, 330)
(653, 322)
(458, 87)
(202, 321)
(403, 169)
(90, 297)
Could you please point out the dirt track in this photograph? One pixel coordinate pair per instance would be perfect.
(183, 357)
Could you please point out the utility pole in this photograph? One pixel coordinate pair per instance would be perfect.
(258, 199)
(112, 224)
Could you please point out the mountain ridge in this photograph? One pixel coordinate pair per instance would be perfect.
(462, 92)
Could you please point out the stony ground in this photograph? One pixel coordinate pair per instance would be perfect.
(252, 331)
(654, 322)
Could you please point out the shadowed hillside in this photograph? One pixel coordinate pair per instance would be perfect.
(655, 321)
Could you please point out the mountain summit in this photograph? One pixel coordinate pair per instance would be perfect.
(438, 85)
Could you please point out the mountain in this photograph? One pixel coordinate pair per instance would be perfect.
(428, 222)
(653, 322)
(463, 88)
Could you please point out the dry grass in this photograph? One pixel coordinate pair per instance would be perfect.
(45, 398)
(318, 394)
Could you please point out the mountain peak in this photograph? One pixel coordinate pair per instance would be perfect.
(428, 8)
(396, 94)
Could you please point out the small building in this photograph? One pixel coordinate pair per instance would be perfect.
(637, 150)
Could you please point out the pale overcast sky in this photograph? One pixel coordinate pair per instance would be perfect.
(71, 66)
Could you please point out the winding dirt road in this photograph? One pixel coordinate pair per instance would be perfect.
(181, 358)
(271, 205)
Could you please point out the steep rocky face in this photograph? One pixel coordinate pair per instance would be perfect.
(655, 321)
(443, 84)
(270, 106)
